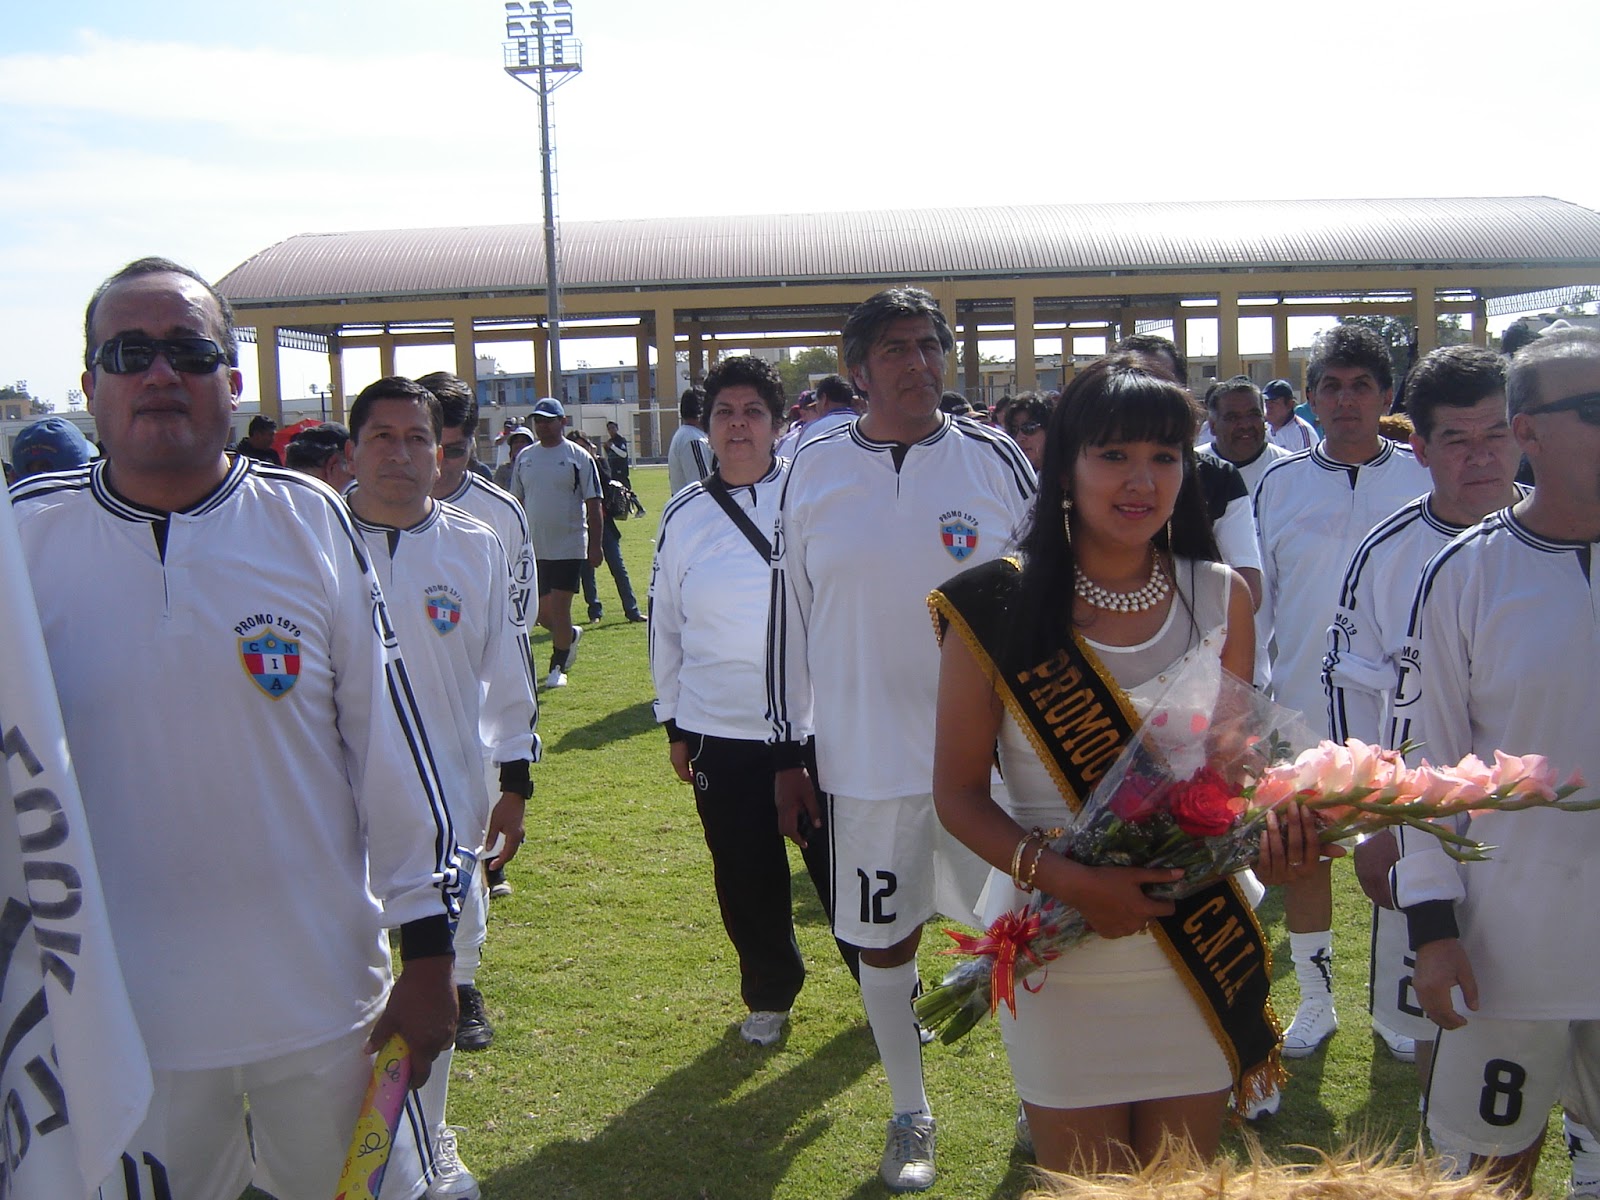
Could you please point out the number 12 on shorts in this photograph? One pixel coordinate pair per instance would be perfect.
(872, 909)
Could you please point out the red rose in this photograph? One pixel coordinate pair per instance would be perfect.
(1136, 798)
(1204, 806)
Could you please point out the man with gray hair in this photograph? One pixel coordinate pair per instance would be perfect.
(874, 515)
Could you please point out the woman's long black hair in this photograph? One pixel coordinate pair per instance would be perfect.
(1115, 399)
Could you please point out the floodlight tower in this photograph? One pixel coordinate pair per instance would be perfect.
(541, 54)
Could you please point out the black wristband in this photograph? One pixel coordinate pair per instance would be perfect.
(514, 777)
(1431, 921)
(788, 755)
(674, 734)
(426, 937)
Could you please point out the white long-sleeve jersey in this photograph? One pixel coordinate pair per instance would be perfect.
(446, 582)
(257, 779)
(1312, 513)
(1506, 627)
(710, 596)
(865, 531)
(1365, 670)
(502, 512)
(689, 457)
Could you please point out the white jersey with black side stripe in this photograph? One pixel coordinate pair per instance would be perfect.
(503, 513)
(447, 586)
(865, 531)
(254, 768)
(710, 595)
(1365, 670)
(1312, 512)
(1506, 629)
(689, 457)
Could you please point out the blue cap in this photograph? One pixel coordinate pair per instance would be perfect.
(549, 407)
(53, 444)
(1278, 387)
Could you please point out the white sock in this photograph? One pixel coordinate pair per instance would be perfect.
(435, 1094)
(886, 995)
(1584, 1152)
(1313, 963)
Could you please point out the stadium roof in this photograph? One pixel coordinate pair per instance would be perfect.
(915, 244)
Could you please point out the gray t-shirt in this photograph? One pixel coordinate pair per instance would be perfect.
(553, 482)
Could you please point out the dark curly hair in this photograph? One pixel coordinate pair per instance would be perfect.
(744, 370)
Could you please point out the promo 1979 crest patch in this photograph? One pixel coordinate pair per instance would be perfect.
(272, 661)
(959, 533)
(443, 607)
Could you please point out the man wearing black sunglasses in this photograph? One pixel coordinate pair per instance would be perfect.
(1506, 629)
(260, 789)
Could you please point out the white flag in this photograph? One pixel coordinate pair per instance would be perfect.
(74, 1080)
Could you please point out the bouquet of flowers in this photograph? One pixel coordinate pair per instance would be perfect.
(1193, 789)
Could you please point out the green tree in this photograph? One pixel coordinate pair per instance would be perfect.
(797, 372)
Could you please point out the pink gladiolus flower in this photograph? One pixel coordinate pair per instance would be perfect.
(1427, 785)
(1530, 775)
(1473, 770)
(1326, 767)
(1370, 766)
(1273, 788)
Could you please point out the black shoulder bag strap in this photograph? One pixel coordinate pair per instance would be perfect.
(719, 492)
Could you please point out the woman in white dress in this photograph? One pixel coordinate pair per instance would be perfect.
(1114, 1051)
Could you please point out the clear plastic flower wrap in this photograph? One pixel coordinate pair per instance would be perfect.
(1192, 789)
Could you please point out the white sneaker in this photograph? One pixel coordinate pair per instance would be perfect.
(763, 1028)
(1314, 1023)
(451, 1180)
(572, 650)
(1400, 1046)
(907, 1164)
(1024, 1132)
(556, 679)
(1264, 1106)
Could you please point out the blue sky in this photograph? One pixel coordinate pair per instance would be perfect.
(208, 132)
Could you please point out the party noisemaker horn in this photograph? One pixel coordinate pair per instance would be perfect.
(368, 1158)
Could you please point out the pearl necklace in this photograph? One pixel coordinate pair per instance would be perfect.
(1151, 594)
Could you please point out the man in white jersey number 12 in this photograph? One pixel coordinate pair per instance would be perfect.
(875, 514)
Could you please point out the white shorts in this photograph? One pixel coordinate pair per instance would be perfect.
(303, 1106)
(1391, 998)
(894, 866)
(1495, 1081)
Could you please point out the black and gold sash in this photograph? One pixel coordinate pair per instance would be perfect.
(1078, 721)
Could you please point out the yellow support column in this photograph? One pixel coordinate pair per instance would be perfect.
(666, 352)
(386, 355)
(1480, 322)
(1180, 330)
(541, 363)
(1427, 318)
(335, 378)
(1280, 340)
(1227, 334)
(969, 355)
(1027, 361)
(466, 352)
(641, 362)
(268, 384)
(697, 354)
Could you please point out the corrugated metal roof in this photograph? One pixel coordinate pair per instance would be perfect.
(1053, 239)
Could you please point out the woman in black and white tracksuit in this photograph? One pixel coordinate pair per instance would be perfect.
(709, 598)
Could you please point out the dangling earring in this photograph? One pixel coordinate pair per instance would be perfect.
(1169, 535)
(1066, 517)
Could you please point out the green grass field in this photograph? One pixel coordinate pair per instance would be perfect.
(617, 1069)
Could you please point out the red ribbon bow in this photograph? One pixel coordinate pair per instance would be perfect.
(1011, 935)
